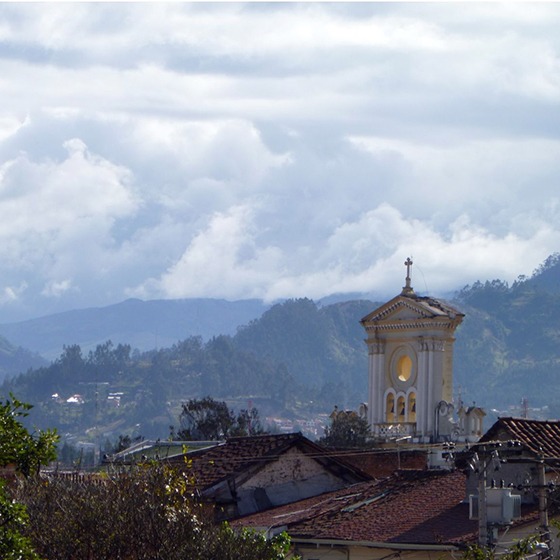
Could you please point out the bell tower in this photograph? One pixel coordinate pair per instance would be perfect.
(410, 360)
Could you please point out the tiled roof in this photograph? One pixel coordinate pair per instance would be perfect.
(243, 454)
(541, 437)
(414, 507)
(382, 463)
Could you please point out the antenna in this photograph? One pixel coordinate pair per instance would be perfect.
(424, 279)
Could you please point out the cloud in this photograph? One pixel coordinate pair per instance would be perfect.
(58, 217)
(363, 256)
(273, 150)
(223, 260)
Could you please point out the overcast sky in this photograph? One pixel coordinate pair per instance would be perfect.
(273, 150)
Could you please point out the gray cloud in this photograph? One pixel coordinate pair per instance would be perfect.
(272, 150)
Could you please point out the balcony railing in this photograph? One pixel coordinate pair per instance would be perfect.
(389, 430)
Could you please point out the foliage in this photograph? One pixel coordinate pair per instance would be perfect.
(26, 452)
(18, 446)
(146, 513)
(13, 518)
(518, 551)
(347, 430)
(208, 419)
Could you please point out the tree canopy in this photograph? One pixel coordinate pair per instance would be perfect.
(147, 512)
(346, 430)
(25, 452)
(208, 419)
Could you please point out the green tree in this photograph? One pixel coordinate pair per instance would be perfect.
(25, 452)
(145, 513)
(13, 519)
(208, 419)
(524, 548)
(346, 430)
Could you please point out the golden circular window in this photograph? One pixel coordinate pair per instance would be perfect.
(404, 368)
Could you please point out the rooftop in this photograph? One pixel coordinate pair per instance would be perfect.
(243, 454)
(374, 512)
(541, 437)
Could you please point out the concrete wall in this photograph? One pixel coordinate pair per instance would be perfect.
(292, 477)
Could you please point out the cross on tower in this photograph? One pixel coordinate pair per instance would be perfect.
(407, 287)
(408, 263)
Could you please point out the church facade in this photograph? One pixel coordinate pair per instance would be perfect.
(410, 355)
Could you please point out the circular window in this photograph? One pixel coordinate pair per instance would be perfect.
(404, 368)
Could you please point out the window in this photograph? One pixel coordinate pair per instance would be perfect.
(411, 407)
(390, 408)
(401, 409)
(404, 368)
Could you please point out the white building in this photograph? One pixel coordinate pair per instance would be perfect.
(410, 345)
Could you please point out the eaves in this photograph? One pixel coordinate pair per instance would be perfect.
(373, 544)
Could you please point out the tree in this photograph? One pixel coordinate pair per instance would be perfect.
(13, 519)
(527, 547)
(145, 513)
(347, 429)
(25, 452)
(208, 419)
(18, 447)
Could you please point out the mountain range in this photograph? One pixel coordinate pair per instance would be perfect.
(294, 356)
(144, 325)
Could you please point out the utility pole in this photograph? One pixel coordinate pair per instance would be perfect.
(482, 508)
(543, 505)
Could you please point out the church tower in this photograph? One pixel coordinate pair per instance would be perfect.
(410, 350)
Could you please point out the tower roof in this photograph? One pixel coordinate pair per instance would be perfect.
(408, 310)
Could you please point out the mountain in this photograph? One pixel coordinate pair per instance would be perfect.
(508, 346)
(294, 358)
(142, 324)
(14, 360)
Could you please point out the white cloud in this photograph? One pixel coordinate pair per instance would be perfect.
(273, 150)
(222, 261)
(57, 289)
(62, 197)
(57, 217)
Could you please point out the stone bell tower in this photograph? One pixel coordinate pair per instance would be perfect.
(410, 347)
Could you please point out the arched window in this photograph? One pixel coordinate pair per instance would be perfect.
(411, 407)
(401, 409)
(390, 408)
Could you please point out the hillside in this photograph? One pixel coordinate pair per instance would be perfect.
(144, 325)
(509, 343)
(299, 358)
(15, 359)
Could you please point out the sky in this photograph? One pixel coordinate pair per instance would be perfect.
(272, 151)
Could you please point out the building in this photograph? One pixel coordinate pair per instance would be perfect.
(410, 345)
(244, 475)
(415, 514)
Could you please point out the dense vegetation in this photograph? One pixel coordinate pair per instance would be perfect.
(297, 354)
(509, 343)
(147, 512)
(302, 357)
(21, 453)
